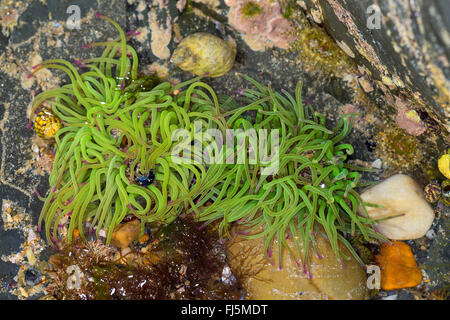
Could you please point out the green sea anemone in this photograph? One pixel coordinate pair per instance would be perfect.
(114, 158)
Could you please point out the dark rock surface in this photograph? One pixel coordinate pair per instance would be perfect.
(412, 41)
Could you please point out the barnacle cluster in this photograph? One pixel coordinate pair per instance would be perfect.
(113, 134)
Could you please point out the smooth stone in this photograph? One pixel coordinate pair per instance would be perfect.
(399, 194)
(398, 266)
(262, 279)
(125, 233)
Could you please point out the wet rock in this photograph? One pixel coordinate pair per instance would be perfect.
(263, 279)
(405, 295)
(32, 276)
(399, 195)
(401, 44)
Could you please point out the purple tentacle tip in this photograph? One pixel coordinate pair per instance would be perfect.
(269, 253)
(29, 125)
(29, 76)
(84, 46)
(39, 229)
(37, 193)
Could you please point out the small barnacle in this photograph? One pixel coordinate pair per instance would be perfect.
(204, 54)
(47, 124)
(432, 192)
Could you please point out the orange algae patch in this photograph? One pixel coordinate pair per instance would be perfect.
(398, 266)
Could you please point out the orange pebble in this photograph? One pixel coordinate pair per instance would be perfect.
(398, 266)
(76, 233)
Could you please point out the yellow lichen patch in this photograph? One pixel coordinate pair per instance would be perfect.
(399, 151)
(444, 165)
(413, 115)
(318, 51)
(47, 124)
(398, 266)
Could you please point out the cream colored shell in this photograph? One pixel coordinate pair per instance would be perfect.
(204, 54)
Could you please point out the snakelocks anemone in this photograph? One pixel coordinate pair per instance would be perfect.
(115, 158)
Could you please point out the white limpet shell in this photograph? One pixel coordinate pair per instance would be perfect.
(399, 195)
